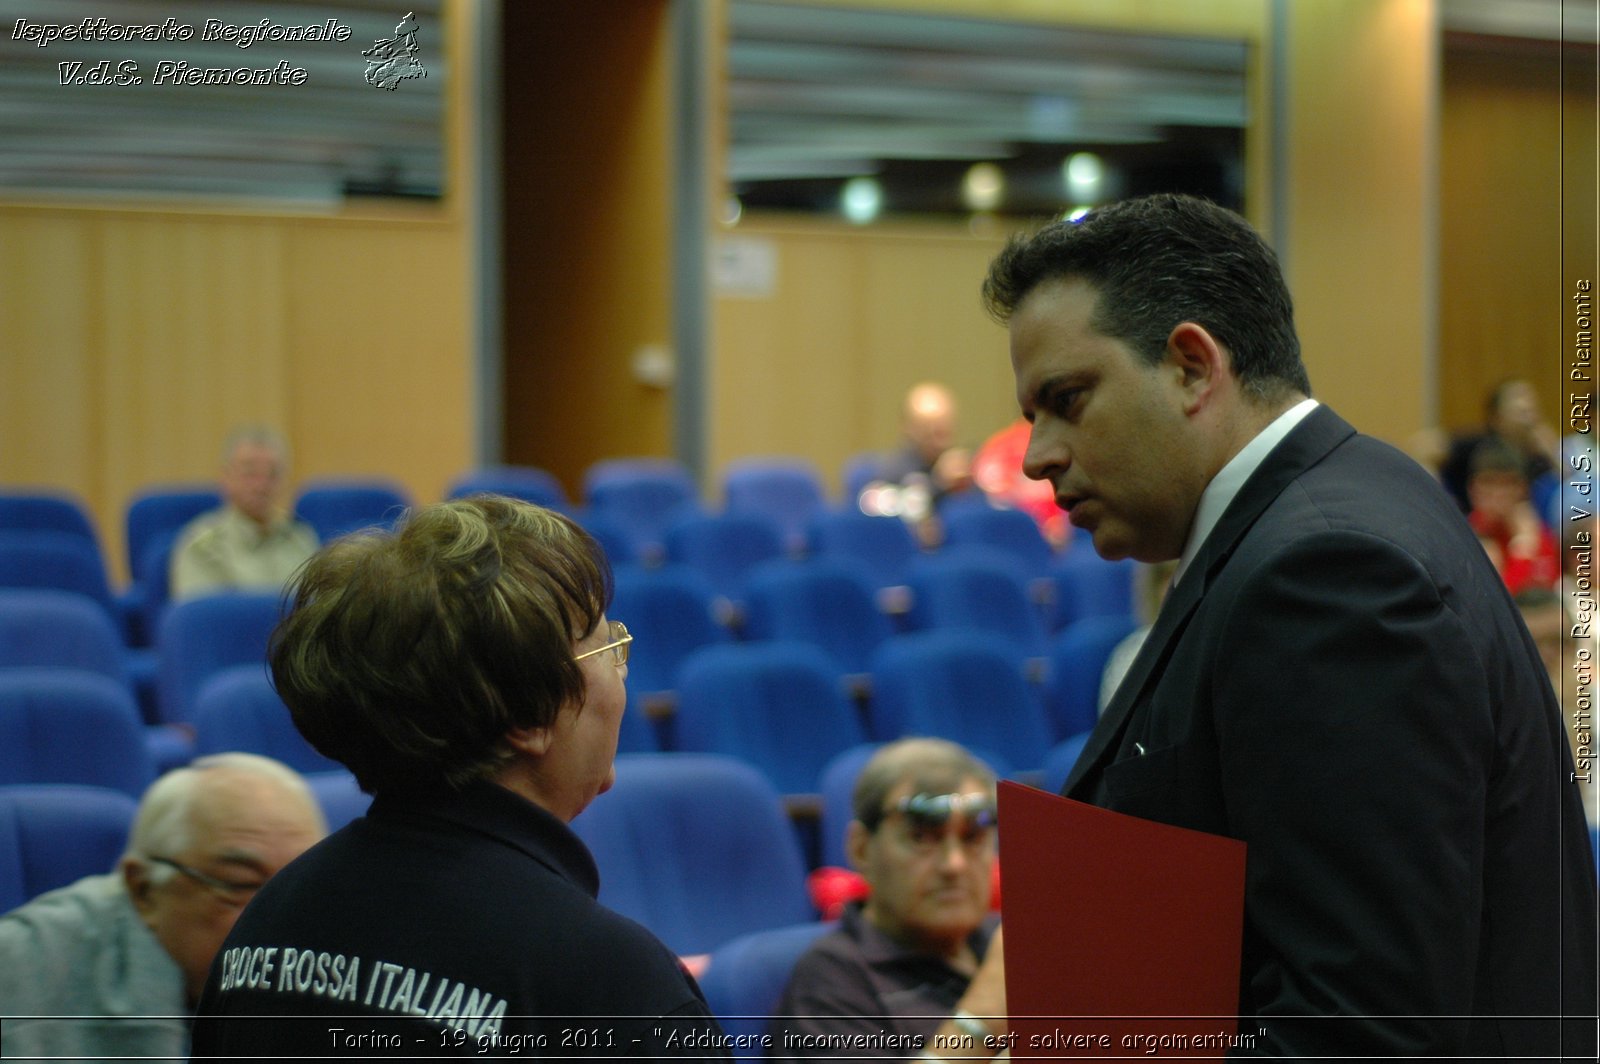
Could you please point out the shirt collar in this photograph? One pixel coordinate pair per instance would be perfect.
(878, 948)
(486, 808)
(1226, 484)
(281, 520)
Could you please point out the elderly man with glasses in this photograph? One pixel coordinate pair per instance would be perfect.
(110, 966)
(908, 962)
(464, 668)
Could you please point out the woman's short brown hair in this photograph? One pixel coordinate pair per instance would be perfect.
(408, 655)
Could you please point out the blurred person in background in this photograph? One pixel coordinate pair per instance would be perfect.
(913, 482)
(112, 965)
(251, 542)
(1512, 420)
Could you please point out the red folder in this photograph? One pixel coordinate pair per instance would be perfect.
(1122, 935)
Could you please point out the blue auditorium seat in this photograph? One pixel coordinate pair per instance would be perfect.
(976, 588)
(642, 497)
(336, 506)
(618, 545)
(1089, 586)
(697, 849)
(1077, 661)
(238, 709)
(68, 726)
(777, 705)
(670, 613)
(885, 546)
(52, 835)
(46, 511)
(63, 561)
(152, 523)
(58, 629)
(786, 491)
(528, 483)
(724, 548)
(205, 635)
(745, 979)
(156, 512)
(858, 471)
(826, 602)
(1011, 533)
(963, 685)
(1059, 761)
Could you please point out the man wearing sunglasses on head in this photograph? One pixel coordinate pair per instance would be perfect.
(901, 972)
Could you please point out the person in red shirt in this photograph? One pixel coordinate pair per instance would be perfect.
(997, 470)
(1522, 549)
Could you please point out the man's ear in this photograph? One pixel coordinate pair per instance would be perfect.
(856, 840)
(1201, 361)
(136, 880)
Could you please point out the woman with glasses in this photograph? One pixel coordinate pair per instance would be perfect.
(465, 671)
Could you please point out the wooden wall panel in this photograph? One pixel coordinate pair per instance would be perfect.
(927, 320)
(379, 359)
(1500, 293)
(193, 342)
(818, 367)
(49, 424)
(133, 336)
(134, 341)
(1360, 238)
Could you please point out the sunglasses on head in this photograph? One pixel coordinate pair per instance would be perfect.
(927, 816)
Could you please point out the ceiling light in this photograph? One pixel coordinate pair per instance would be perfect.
(1084, 175)
(861, 199)
(983, 187)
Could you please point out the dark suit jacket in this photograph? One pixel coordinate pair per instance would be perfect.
(1341, 681)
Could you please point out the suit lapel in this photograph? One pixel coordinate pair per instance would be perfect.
(1307, 444)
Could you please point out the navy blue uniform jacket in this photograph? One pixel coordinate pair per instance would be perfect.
(446, 923)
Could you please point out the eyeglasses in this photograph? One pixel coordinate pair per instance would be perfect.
(928, 819)
(618, 646)
(235, 894)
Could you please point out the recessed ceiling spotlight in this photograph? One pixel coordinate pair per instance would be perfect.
(1084, 176)
(983, 187)
(861, 199)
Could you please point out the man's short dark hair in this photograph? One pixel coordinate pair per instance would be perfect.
(408, 655)
(1495, 457)
(1156, 262)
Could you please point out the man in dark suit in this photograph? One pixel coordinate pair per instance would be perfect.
(1338, 677)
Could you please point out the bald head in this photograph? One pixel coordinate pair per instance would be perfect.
(928, 418)
(205, 838)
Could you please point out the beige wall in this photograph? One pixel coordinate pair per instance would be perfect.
(1507, 232)
(1362, 205)
(133, 342)
(132, 338)
(867, 311)
(818, 366)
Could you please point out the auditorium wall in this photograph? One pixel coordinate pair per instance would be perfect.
(133, 336)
